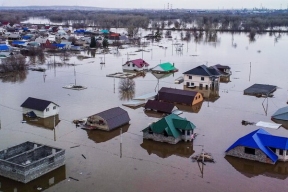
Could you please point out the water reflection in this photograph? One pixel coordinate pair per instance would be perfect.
(208, 94)
(44, 182)
(164, 150)
(14, 77)
(126, 89)
(46, 123)
(99, 136)
(253, 168)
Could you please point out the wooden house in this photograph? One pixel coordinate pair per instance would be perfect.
(170, 129)
(108, 120)
(42, 108)
(179, 96)
(135, 65)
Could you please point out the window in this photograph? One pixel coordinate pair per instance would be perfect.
(202, 78)
(206, 87)
(248, 150)
(54, 107)
(190, 77)
(280, 151)
(47, 109)
(133, 65)
(128, 65)
(187, 84)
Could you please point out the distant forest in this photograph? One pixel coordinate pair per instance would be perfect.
(156, 19)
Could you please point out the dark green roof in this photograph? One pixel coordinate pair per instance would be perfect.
(172, 124)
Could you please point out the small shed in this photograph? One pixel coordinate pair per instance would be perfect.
(42, 108)
(260, 90)
(281, 114)
(179, 96)
(109, 119)
(162, 107)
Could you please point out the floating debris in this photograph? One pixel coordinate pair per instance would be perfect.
(243, 122)
(74, 87)
(75, 146)
(83, 156)
(204, 157)
(74, 179)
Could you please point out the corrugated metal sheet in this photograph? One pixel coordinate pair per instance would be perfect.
(176, 95)
(159, 106)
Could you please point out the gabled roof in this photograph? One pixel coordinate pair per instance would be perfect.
(202, 70)
(281, 114)
(261, 139)
(139, 63)
(218, 66)
(159, 106)
(165, 67)
(172, 124)
(36, 104)
(115, 117)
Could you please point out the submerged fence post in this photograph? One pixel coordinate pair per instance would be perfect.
(121, 143)
(250, 72)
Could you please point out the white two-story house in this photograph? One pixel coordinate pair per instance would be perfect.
(202, 77)
(42, 108)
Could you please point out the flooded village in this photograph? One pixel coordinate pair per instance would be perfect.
(94, 109)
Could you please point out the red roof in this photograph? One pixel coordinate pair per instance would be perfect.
(139, 63)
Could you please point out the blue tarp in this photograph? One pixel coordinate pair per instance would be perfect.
(4, 47)
(18, 42)
(79, 31)
(26, 37)
(58, 45)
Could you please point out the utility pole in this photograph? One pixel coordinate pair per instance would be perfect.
(121, 143)
(75, 75)
(250, 72)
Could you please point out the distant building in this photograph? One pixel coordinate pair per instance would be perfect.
(135, 65)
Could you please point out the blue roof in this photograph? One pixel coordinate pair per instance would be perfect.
(281, 114)
(26, 37)
(4, 47)
(79, 31)
(261, 139)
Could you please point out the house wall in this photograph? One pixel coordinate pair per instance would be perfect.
(43, 114)
(197, 99)
(161, 138)
(259, 155)
(94, 122)
(283, 157)
(196, 81)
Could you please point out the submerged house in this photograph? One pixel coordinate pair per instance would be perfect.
(135, 65)
(259, 90)
(42, 108)
(202, 77)
(108, 120)
(179, 96)
(28, 161)
(224, 71)
(163, 68)
(170, 129)
(261, 146)
(161, 107)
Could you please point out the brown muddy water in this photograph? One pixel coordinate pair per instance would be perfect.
(146, 165)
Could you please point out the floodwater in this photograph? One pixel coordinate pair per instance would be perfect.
(146, 165)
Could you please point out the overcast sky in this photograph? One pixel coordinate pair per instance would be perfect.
(156, 4)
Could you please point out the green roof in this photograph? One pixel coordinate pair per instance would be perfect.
(167, 66)
(172, 124)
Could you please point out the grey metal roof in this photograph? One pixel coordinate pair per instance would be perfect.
(115, 117)
(176, 95)
(202, 70)
(281, 114)
(37, 104)
(260, 89)
(159, 106)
